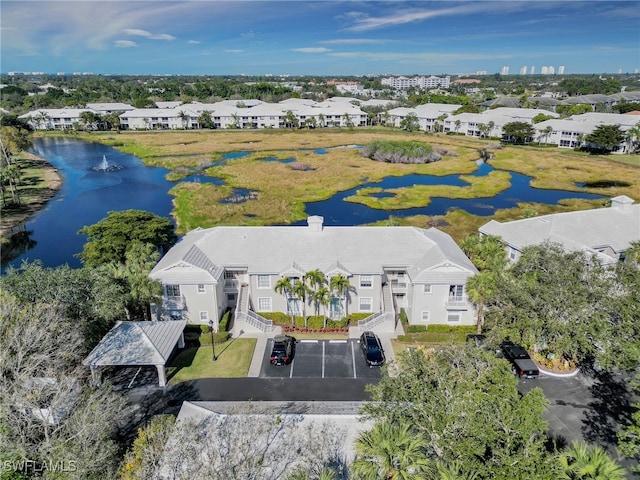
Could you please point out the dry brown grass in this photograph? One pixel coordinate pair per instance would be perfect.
(283, 191)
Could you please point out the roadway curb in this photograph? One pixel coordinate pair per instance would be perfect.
(560, 375)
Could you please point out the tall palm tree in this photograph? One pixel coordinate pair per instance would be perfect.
(184, 118)
(340, 287)
(491, 125)
(322, 296)
(283, 287)
(457, 123)
(315, 279)
(300, 290)
(583, 462)
(390, 452)
(479, 288)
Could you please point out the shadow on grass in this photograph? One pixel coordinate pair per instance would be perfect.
(184, 359)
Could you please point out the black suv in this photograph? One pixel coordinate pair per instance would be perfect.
(372, 349)
(520, 360)
(284, 348)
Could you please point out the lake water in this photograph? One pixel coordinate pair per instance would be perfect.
(88, 194)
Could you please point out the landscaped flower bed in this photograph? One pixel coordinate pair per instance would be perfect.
(553, 363)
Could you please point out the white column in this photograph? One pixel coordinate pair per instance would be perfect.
(162, 377)
(181, 341)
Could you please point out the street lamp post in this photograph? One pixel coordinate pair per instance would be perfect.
(213, 346)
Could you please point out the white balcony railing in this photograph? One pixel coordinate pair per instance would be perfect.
(457, 301)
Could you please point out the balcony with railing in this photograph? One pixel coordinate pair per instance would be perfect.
(457, 302)
(398, 285)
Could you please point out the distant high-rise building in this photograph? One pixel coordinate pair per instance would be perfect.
(533, 70)
(544, 70)
(505, 70)
(635, 70)
(561, 70)
(523, 70)
(481, 72)
(551, 70)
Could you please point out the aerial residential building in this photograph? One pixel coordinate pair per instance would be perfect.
(417, 82)
(421, 271)
(604, 232)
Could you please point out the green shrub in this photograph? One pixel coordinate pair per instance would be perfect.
(416, 328)
(403, 318)
(223, 326)
(451, 329)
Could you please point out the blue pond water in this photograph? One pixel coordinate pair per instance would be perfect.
(88, 194)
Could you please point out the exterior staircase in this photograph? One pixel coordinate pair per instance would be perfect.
(247, 320)
(383, 321)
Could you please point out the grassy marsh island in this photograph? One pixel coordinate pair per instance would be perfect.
(284, 188)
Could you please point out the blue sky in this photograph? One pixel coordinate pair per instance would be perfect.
(322, 37)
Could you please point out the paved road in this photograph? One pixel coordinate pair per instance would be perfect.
(271, 389)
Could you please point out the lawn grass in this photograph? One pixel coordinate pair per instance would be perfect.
(39, 182)
(283, 192)
(233, 361)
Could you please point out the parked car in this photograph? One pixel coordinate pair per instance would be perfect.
(284, 349)
(520, 360)
(372, 349)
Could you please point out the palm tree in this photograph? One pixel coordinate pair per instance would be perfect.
(491, 125)
(390, 452)
(322, 296)
(300, 290)
(184, 118)
(457, 123)
(480, 287)
(347, 120)
(583, 462)
(41, 118)
(340, 287)
(315, 279)
(321, 120)
(283, 287)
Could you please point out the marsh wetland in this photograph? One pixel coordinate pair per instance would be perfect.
(257, 178)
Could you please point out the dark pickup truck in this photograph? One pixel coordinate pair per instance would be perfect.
(522, 364)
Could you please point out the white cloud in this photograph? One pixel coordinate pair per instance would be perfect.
(193, 42)
(356, 41)
(125, 44)
(143, 33)
(311, 50)
(234, 50)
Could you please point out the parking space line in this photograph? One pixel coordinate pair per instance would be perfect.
(338, 341)
(353, 359)
(323, 345)
(308, 341)
(291, 370)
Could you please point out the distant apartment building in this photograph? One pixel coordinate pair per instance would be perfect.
(505, 70)
(523, 70)
(561, 70)
(417, 82)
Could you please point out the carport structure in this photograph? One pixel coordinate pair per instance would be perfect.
(136, 344)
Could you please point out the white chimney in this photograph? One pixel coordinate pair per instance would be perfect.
(315, 223)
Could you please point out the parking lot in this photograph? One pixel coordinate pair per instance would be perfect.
(321, 359)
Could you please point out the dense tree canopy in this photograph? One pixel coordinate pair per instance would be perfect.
(463, 406)
(569, 304)
(40, 355)
(605, 138)
(518, 132)
(109, 239)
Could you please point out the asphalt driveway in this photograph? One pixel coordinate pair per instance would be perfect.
(322, 359)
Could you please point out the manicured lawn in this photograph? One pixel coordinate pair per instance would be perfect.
(234, 359)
